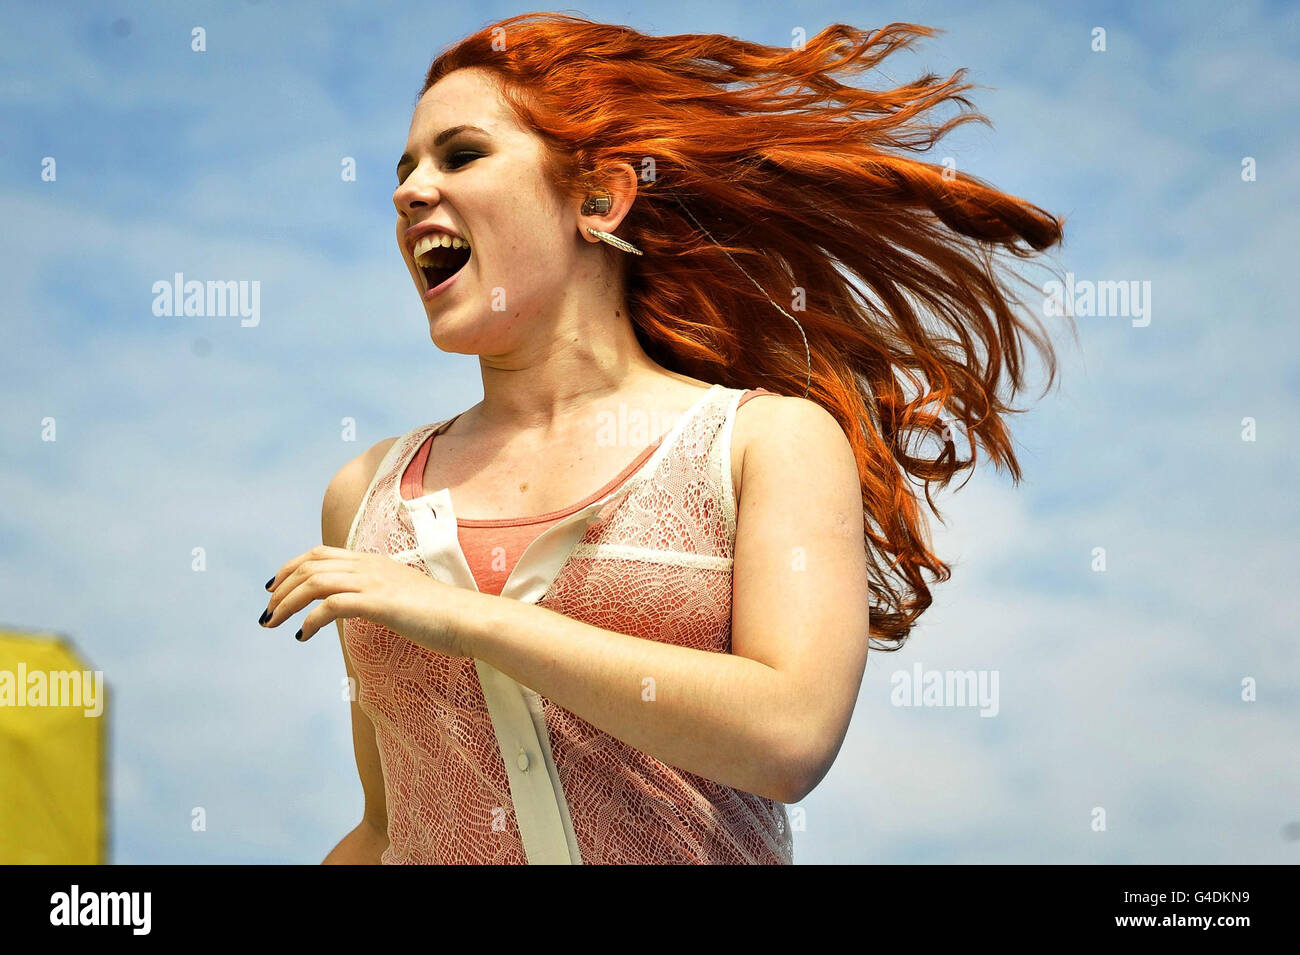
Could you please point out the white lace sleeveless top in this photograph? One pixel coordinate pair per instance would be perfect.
(480, 769)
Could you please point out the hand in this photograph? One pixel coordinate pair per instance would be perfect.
(352, 584)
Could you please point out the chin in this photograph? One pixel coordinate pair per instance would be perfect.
(457, 336)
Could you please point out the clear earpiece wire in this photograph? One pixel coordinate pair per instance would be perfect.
(807, 352)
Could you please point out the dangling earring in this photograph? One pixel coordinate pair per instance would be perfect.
(615, 241)
(599, 205)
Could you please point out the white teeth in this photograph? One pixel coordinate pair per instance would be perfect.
(437, 240)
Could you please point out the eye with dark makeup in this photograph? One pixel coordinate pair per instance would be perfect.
(462, 152)
(455, 160)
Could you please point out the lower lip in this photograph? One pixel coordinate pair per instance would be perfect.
(443, 286)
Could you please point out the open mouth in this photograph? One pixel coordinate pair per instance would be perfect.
(439, 257)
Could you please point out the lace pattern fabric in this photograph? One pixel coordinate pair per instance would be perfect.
(655, 564)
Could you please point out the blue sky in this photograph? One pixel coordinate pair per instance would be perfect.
(1118, 689)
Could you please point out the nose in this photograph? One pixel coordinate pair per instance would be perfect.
(417, 191)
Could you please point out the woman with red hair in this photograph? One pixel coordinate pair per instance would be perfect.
(717, 314)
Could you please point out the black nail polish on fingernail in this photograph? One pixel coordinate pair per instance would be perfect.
(266, 615)
(269, 583)
(298, 636)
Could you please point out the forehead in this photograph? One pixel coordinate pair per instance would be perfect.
(466, 96)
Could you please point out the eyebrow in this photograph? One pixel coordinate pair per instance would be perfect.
(438, 140)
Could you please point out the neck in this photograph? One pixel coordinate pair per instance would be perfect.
(583, 353)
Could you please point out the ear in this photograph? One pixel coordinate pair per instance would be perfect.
(620, 185)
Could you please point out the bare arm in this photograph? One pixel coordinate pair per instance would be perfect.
(768, 718)
(367, 842)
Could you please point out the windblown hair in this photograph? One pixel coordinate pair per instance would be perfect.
(888, 261)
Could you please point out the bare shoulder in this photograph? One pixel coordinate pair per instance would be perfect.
(785, 433)
(346, 489)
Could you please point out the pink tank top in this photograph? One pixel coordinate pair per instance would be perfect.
(492, 546)
(480, 769)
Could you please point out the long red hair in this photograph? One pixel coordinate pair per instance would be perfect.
(804, 181)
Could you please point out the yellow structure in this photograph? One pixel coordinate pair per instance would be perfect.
(53, 797)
